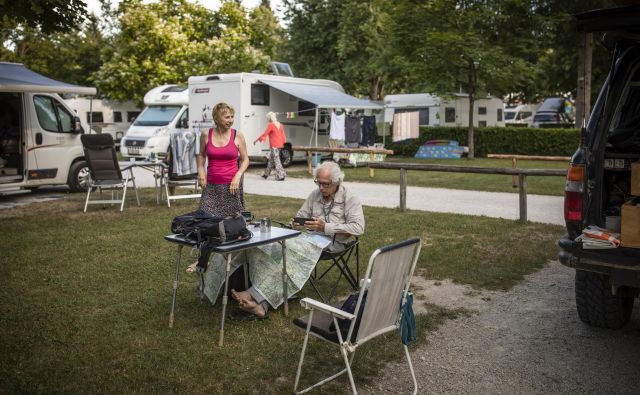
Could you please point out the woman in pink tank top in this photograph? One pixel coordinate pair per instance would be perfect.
(221, 181)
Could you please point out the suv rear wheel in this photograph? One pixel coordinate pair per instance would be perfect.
(596, 304)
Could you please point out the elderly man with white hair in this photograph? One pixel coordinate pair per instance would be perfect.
(336, 212)
(336, 218)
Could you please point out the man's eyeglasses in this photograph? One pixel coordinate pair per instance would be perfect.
(322, 184)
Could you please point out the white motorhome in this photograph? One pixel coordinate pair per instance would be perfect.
(39, 134)
(252, 95)
(166, 111)
(520, 115)
(446, 111)
(103, 115)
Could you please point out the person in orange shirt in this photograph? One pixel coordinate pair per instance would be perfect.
(275, 133)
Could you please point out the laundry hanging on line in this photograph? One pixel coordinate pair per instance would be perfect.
(406, 125)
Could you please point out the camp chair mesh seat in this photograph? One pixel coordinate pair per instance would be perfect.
(104, 171)
(386, 282)
(339, 260)
(183, 169)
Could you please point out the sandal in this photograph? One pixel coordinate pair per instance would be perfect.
(193, 267)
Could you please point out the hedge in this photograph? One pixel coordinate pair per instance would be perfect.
(497, 140)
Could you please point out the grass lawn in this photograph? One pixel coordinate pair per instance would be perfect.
(86, 298)
(551, 185)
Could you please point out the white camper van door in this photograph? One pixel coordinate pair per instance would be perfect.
(52, 144)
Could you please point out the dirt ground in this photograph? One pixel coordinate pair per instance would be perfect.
(527, 341)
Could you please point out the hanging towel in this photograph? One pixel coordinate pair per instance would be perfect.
(352, 129)
(369, 130)
(336, 127)
(408, 322)
(184, 148)
(406, 125)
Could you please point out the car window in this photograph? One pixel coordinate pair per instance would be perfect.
(46, 113)
(627, 113)
(66, 119)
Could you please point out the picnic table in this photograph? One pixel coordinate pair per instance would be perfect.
(366, 150)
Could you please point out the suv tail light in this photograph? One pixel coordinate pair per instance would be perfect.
(573, 193)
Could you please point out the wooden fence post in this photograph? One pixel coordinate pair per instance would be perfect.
(514, 165)
(522, 191)
(403, 189)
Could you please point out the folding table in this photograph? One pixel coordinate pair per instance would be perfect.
(276, 235)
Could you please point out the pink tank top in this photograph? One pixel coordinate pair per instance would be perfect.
(222, 161)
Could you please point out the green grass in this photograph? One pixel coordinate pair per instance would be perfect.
(550, 185)
(86, 297)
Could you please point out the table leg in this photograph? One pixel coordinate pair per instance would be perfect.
(224, 300)
(175, 286)
(285, 294)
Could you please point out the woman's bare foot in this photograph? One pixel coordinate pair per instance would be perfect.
(240, 296)
(251, 306)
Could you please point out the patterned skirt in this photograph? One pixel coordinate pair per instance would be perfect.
(217, 200)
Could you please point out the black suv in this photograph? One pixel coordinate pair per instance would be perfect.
(599, 178)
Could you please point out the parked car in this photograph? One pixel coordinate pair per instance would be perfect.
(520, 115)
(553, 111)
(604, 177)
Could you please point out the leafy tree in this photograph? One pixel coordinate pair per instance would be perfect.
(69, 57)
(47, 15)
(453, 44)
(168, 41)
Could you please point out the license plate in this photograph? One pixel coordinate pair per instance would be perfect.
(133, 150)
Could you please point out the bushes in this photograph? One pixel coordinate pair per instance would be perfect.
(498, 140)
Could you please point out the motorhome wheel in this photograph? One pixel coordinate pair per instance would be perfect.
(79, 176)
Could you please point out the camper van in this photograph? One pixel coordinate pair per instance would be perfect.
(520, 115)
(39, 133)
(103, 115)
(166, 111)
(303, 107)
(450, 111)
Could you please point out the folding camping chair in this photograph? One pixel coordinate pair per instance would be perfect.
(104, 171)
(339, 260)
(385, 288)
(183, 167)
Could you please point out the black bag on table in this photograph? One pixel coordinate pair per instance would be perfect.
(210, 231)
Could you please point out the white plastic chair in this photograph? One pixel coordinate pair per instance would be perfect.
(386, 283)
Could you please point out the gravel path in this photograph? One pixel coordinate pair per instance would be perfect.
(528, 340)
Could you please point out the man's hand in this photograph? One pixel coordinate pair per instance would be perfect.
(317, 225)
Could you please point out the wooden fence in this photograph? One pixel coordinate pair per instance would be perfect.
(521, 173)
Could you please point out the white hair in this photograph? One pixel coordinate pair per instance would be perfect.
(272, 116)
(336, 175)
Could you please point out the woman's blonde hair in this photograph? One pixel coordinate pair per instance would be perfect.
(219, 109)
(272, 116)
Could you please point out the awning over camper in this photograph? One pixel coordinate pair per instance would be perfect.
(322, 96)
(15, 77)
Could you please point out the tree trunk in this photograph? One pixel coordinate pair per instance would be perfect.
(583, 96)
(472, 93)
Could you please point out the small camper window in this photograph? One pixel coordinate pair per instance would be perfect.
(482, 110)
(131, 115)
(450, 114)
(482, 124)
(95, 117)
(259, 95)
(117, 116)
(499, 114)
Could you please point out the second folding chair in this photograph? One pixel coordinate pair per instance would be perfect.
(104, 171)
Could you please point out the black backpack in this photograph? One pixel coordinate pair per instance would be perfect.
(210, 231)
(201, 226)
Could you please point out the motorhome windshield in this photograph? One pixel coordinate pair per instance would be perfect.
(509, 115)
(157, 115)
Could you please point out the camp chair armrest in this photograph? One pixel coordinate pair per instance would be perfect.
(309, 304)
